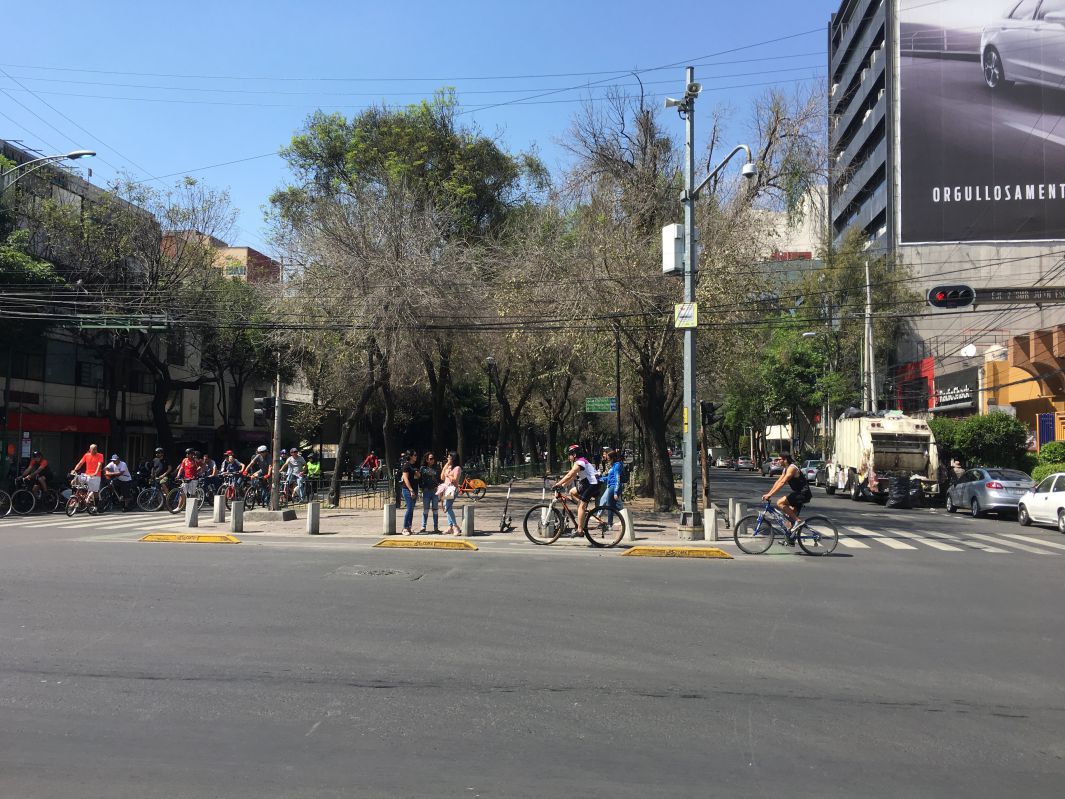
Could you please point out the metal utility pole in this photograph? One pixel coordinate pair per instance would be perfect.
(690, 507)
(869, 378)
(617, 385)
(275, 473)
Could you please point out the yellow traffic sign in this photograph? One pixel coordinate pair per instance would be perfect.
(189, 538)
(424, 543)
(677, 552)
(686, 315)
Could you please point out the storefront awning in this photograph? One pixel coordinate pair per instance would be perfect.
(48, 423)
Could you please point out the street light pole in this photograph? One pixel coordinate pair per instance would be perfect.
(686, 108)
(5, 177)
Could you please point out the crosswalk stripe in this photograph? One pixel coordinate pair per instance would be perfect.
(1032, 540)
(880, 539)
(853, 543)
(1014, 544)
(965, 542)
(927, 541)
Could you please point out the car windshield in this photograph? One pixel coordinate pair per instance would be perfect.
(1010, 475)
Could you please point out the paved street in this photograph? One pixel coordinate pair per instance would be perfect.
(315, 667)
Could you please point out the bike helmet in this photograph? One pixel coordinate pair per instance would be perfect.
(159, 449)
(189, 451)
(574, 449)
(36, 453)
(293, 451)
(262, 448)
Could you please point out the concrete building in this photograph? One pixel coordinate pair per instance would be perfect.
(957, 175)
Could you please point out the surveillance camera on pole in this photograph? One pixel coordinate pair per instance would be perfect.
(749, 171)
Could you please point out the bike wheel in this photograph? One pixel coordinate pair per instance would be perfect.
(479, 492)
(818, 536)
(175, 500)
(250, 497)
(754, 534)
(5, 503)
(73, 505)
(229, 494)
(23, 502)
(543, 524)
(104, 500)
(600, 532)
(150, 499)
(49, 501)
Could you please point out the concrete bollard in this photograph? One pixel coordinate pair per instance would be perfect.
(314, 513)
(219, 516)
(192, 512)
(236, 519)
(389, 521)
(467, 520)
(710, 523)
(741, 511)
(731, 518)
(630, 531)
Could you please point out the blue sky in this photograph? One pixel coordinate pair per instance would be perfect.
(159, 89)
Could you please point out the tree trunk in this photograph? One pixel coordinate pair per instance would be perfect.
(460, 432)
(342, 448)
(439, 382)
(388, 427)
(163, 431)
(651, 404)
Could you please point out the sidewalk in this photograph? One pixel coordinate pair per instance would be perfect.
(650, 527)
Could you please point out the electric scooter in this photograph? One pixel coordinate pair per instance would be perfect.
(506, 524)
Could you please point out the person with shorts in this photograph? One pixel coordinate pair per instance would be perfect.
(586, 488)
(798, 494)
(92, 463)
(38, 470)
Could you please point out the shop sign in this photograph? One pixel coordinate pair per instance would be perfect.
(957, 391)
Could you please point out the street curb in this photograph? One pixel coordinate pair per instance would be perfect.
(678, 552)
(188, 538)
(418, 543)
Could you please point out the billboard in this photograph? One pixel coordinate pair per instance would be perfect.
(981, 120)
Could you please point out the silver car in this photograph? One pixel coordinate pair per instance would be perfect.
(1026, 45)
(983, 491)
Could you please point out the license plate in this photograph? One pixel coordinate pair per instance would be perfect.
(1017, 491)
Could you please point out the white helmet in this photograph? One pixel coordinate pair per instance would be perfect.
(262, 448)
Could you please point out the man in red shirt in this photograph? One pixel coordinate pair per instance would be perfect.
(93, 464)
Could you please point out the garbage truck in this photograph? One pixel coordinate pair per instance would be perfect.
(872, 448)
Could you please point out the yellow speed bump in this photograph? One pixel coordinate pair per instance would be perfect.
(423, 543)
(677, 552)
(190, 538)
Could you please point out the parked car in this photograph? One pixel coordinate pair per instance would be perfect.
(1025, 45)
(744, 464)
(723, 463)
(821, 475)
(983, 491)
(774, 467)
(809, 469)
(1045, 503)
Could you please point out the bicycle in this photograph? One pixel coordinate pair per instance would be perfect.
(151, 497)
(473, 486)
(230, 486)
(756, 532)
(29, 497)
(258, 493)
(5, 503)
(176, 496)
(81, 498)
(545, 523)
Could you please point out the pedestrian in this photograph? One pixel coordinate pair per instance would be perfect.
(428, 480)
(451, 478)
(958, 469)
(408, 478)
(93, 464)
(611, 497)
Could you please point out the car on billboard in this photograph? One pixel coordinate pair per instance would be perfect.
(1027, 45)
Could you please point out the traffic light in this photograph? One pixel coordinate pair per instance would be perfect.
(710, 412)
(264, 410)
(951, 296)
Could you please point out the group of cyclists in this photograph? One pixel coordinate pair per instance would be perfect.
(195, 470)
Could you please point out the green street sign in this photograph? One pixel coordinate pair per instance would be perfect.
(600, 405)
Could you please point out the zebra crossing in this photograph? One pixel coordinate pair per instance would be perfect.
(855, 537)
(106, 522)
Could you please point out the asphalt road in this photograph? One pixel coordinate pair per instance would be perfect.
(155, 670)
(957, 132)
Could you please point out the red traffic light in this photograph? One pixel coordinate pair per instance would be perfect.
(951, 296)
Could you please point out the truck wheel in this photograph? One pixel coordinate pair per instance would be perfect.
(856, 488)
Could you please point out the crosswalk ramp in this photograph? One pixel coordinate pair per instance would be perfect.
(856, 537)
(105, 522)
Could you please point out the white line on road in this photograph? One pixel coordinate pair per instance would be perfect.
(853, 543)
(928, 541)
(967, 543)
(879, 538)
(1014, 544)
(1031, 540)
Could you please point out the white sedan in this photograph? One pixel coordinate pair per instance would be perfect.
(1044, 504)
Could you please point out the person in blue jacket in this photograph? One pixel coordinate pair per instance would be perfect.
(611, 496)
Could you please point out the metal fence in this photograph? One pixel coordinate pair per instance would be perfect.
(354, 494)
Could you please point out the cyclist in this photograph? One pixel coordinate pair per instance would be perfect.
(371, 464)
(189, 470)
(93, 464)
(160, 466)
(295, 467)
(586, 488)
(38, 469)
(258, 462)
(209, 472)
(798, 494)
(314, 472)
(118, 473)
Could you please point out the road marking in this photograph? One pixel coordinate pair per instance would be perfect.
(853, 543)
(1031, 540)
(648, 551)
(1022, 547)
(423, 543)
(967, 543)
(189, 538)
(928, 541)
(880, 539)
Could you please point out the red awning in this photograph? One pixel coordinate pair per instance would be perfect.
(47, 423)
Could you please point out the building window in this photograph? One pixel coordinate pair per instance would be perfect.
(206, 409)
(60, 365)
(235, 411)
(175, 348)
(89, 373)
